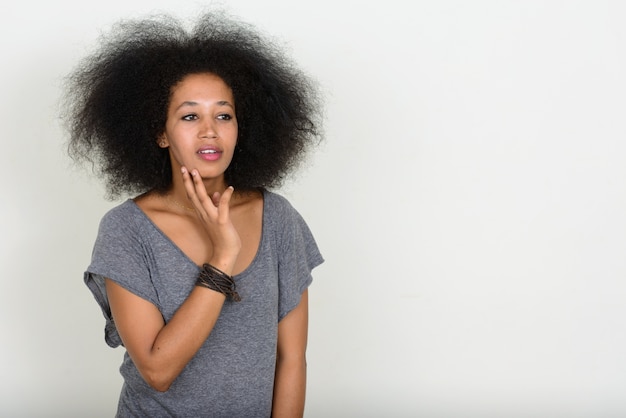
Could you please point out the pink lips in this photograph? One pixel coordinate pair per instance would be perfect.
(210, 153)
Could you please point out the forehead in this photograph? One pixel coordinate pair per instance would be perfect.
(207, 86)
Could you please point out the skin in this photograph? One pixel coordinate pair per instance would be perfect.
(210, 223)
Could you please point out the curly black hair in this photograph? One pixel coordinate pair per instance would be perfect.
(116, 101)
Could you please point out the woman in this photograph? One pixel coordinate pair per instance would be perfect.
(203, 276)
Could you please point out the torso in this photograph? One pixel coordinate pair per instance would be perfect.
(185, 230)
(132, 250)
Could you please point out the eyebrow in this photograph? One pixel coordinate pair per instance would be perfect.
(192, 103)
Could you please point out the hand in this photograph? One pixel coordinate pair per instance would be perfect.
(214, 212)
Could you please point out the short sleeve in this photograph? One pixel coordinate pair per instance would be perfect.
(298, 256)
(119, 255)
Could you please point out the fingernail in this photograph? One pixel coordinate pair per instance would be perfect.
(183, 170)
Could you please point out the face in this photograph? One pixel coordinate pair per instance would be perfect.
(201, 126)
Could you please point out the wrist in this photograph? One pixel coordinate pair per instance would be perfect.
(217, 280)
(225, 264)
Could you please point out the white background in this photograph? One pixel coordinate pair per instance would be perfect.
(469, 200)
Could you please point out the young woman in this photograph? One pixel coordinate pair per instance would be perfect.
(203, 276)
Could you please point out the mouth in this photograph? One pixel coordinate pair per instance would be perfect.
(209, 153)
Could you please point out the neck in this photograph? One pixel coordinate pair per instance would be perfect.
(178, 192)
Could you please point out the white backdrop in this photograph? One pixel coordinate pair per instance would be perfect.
(469, 200)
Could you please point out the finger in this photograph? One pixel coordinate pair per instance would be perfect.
(224, 202)
(189, 186)
(194, 193)
(215, 197)
(200, 190)
(228, 193)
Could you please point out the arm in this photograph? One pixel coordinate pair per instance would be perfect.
(161, 351)
(290, 379)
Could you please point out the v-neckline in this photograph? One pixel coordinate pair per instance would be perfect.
(187, 258)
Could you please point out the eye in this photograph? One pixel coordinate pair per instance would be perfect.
(190, 117)
(224, 116)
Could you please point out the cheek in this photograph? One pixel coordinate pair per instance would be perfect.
(177, 149)
(174, 155)
(236, 129)
(233, 136)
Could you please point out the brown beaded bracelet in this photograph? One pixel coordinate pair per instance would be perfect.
(215, 279)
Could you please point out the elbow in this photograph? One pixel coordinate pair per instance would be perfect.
(158, 381)
(158, 373)
(160, 386)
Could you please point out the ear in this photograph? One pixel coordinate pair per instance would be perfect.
(162, 141)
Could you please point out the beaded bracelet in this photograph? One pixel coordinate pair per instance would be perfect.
(215, 279)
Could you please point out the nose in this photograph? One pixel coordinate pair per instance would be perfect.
(207, 129)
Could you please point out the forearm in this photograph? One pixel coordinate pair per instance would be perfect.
(179, 340)
(289, 388)
(161, 351)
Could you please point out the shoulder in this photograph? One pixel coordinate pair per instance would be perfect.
(283, 218)
(121, 218)
(124, 210)
(277, 204)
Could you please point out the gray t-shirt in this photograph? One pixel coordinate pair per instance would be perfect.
(232, 375)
